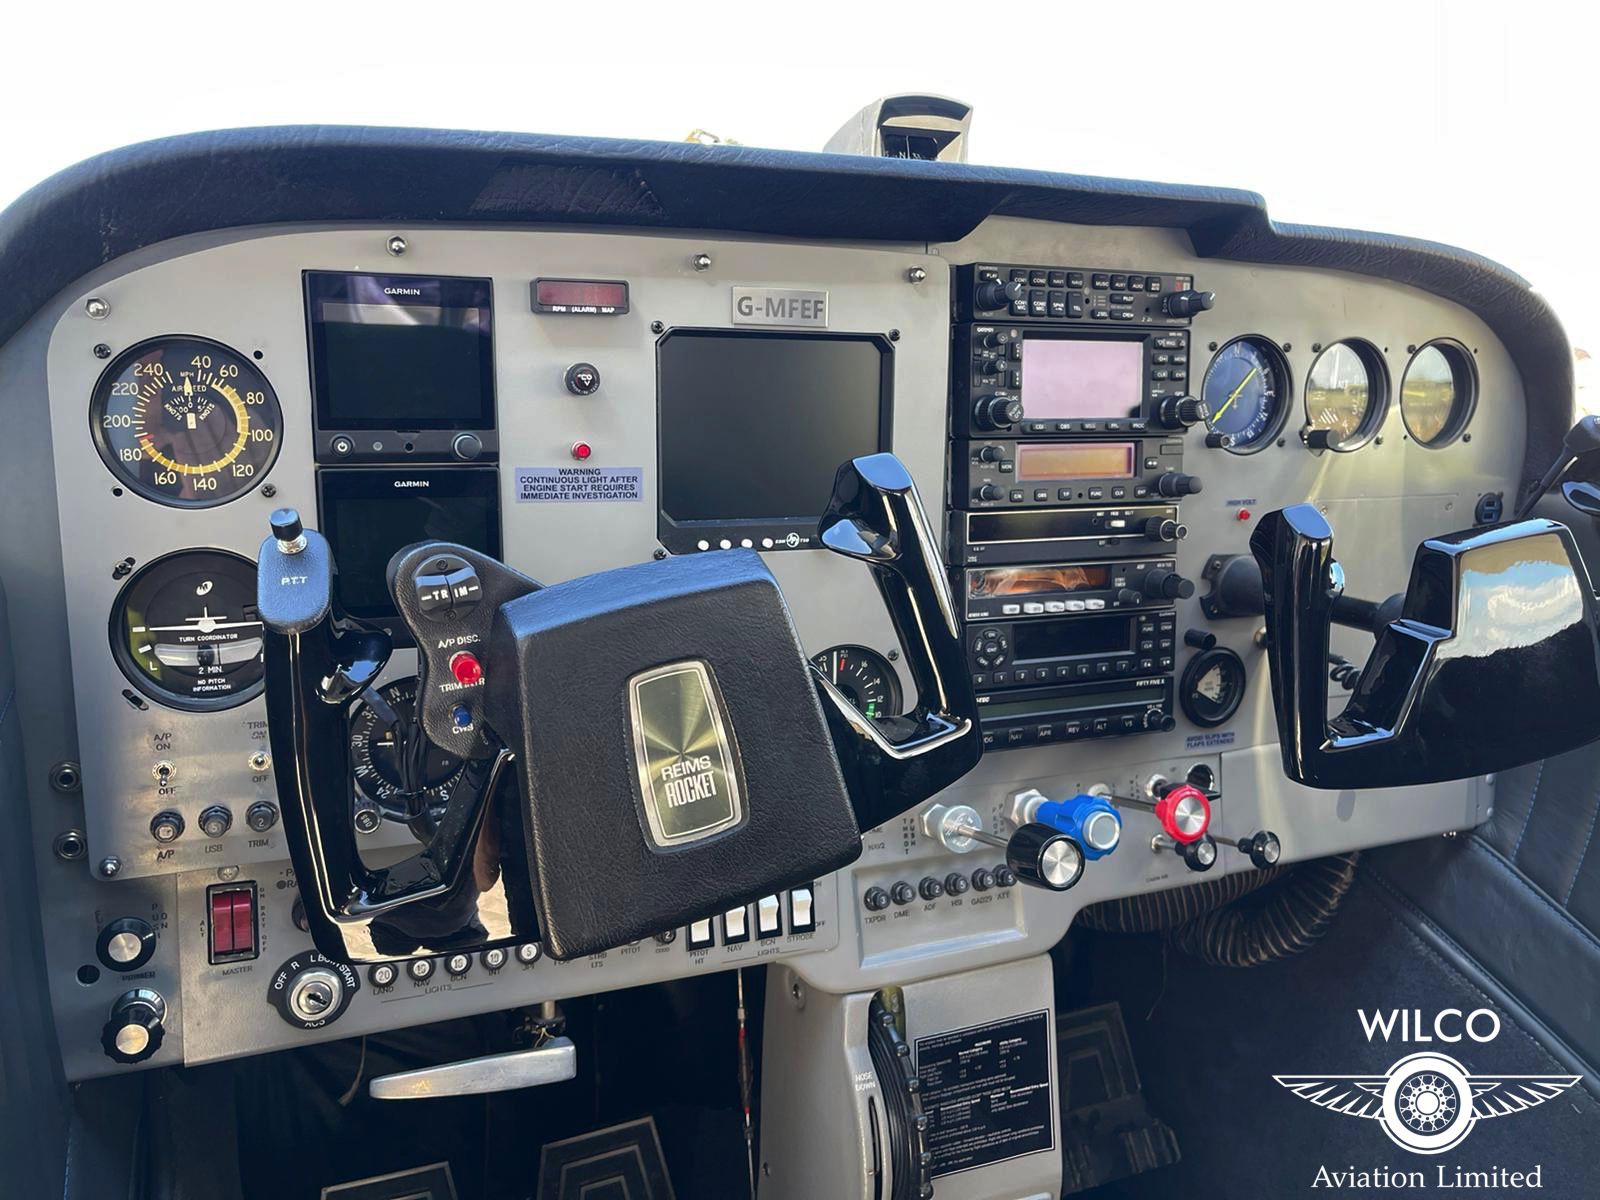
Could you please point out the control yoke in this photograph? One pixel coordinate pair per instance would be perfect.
(643, 747)
(1492, 659)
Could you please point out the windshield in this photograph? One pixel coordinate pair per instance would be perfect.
(1464, 123)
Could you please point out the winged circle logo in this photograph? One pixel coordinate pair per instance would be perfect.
(1427, 1102)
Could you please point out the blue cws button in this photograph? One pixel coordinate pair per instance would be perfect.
(462, 716)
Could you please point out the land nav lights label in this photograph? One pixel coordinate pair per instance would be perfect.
(537, 485)
(779, 306)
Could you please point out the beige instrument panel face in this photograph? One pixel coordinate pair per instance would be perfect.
(1418, 471)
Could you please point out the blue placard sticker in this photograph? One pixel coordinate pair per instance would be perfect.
(1208, 741)
(576, 485)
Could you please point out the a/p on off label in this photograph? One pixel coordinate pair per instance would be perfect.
(577, 484)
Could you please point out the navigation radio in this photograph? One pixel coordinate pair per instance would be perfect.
(1072, 382)
(1006, 654)
(1058, 714)
(1002, 473)
(1049, 589)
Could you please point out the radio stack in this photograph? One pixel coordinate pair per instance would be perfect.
(1069, 410)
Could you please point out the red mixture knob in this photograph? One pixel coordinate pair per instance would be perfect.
(1184, 813)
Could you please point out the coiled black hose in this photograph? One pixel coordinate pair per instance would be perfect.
(1241, 920)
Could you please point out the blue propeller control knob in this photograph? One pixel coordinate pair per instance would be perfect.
(1092, 821)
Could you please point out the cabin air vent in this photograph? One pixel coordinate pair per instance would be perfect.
(932, 128)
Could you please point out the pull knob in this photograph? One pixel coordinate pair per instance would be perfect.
(1176, 483)
(1167, 585)
(997, 412)
(135, 1030)
(1264, 848)
(1183, 810)
(1179, 412)
(1092, 821)
(1045, 857)
(1187, 303)
(1165, 529)
(1199, 855)
(999, 293)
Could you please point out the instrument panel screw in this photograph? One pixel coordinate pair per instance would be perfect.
(657, 327)
(1378, 441)
(102, 350)
(65, 777)
(1211, 345)
(701, 262)
(396, 245)
(110, 866)
(916, 274)
(1412, 348)
(123, 569)
(97, 307)
(1316, 347)
(894, 335)
(893, 656)
(269, 490)
(658, 553)
(227, 874)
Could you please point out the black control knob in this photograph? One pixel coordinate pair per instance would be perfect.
(993, 366)
(125, 944)
(875, 899)
(982, 879)
(1187, 303)
(992, 340)
(1263, 848)
(467, 446)
(903, 893)
(999, 293)
(955, 884)
(987, 454)
(1005, 877)
(134, 1031)
(1179, 412)
(1167, 585)
(1045, 857)
(286, 526)
(930, 888)
(1165, 529)
(989, 491)
(997, 412)
(1200, 854)
(1177, 484)
(583, 379)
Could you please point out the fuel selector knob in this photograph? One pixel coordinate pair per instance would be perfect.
(999, 293)
(311, 990)
(135, 1029)
(997, 412)
(1045, 857)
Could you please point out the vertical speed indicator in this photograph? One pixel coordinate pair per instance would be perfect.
(186, 421)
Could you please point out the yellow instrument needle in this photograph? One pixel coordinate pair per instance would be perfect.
(1235, 394)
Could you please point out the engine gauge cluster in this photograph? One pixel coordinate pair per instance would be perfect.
(865, 677)
(186, 421)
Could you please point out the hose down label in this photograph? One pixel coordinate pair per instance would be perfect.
(986, 1092)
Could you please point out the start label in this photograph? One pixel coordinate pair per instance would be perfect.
(536, 485)
(986, 1092)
